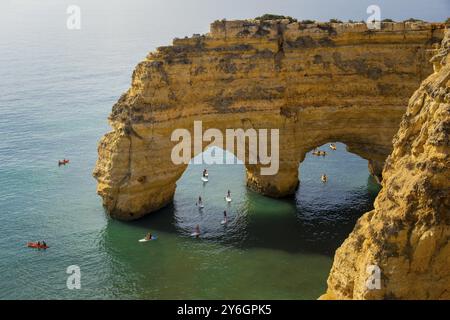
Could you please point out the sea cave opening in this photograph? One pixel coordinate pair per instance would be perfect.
(316, 220)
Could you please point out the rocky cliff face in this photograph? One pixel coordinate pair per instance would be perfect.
(314, 82)
(407, 235)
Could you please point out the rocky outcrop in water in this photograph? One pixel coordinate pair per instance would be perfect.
(407, 235)
(315, 82)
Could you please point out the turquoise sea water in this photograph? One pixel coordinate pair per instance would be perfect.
(56, 94)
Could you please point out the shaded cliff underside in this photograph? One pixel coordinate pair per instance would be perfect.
(314, 82)
(407, 234)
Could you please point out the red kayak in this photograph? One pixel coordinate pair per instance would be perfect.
(63, 162)
(36, 246)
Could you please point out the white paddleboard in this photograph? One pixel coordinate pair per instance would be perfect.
(204, 179)
(228, 199)
(195, 234)
(146, 240)
(224, 222)
(201, 206)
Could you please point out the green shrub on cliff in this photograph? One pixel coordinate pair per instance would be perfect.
(413, 20)
(269, 16)
(335, 21)
(447, 21)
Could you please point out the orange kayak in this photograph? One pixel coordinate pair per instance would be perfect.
(36, 246)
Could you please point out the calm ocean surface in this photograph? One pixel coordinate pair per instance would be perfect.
(56, 91)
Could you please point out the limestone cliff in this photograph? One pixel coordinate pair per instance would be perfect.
(315, 82)
(407, 234)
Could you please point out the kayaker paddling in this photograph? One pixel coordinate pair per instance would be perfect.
(37, 245)
(63, 162)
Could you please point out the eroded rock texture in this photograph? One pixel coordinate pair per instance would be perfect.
(407, 234)
(314, 82)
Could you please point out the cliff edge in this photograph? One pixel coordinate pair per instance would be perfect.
(407, 235)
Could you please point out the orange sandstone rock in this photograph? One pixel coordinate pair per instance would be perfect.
(408, 233)
(316, 83)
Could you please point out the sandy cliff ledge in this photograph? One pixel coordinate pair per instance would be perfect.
(314, 82)
(407, 234)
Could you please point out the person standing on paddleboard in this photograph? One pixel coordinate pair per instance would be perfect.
(197, 231)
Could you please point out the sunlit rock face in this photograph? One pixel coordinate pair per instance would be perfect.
(407, 234)
(314, 82)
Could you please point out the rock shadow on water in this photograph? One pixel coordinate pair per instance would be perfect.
(289, 225)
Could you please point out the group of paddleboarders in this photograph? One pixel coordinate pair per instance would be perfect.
(205, 175)
(199, 203)
(317, 152)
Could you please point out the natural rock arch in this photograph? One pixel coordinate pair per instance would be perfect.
(315, 83)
